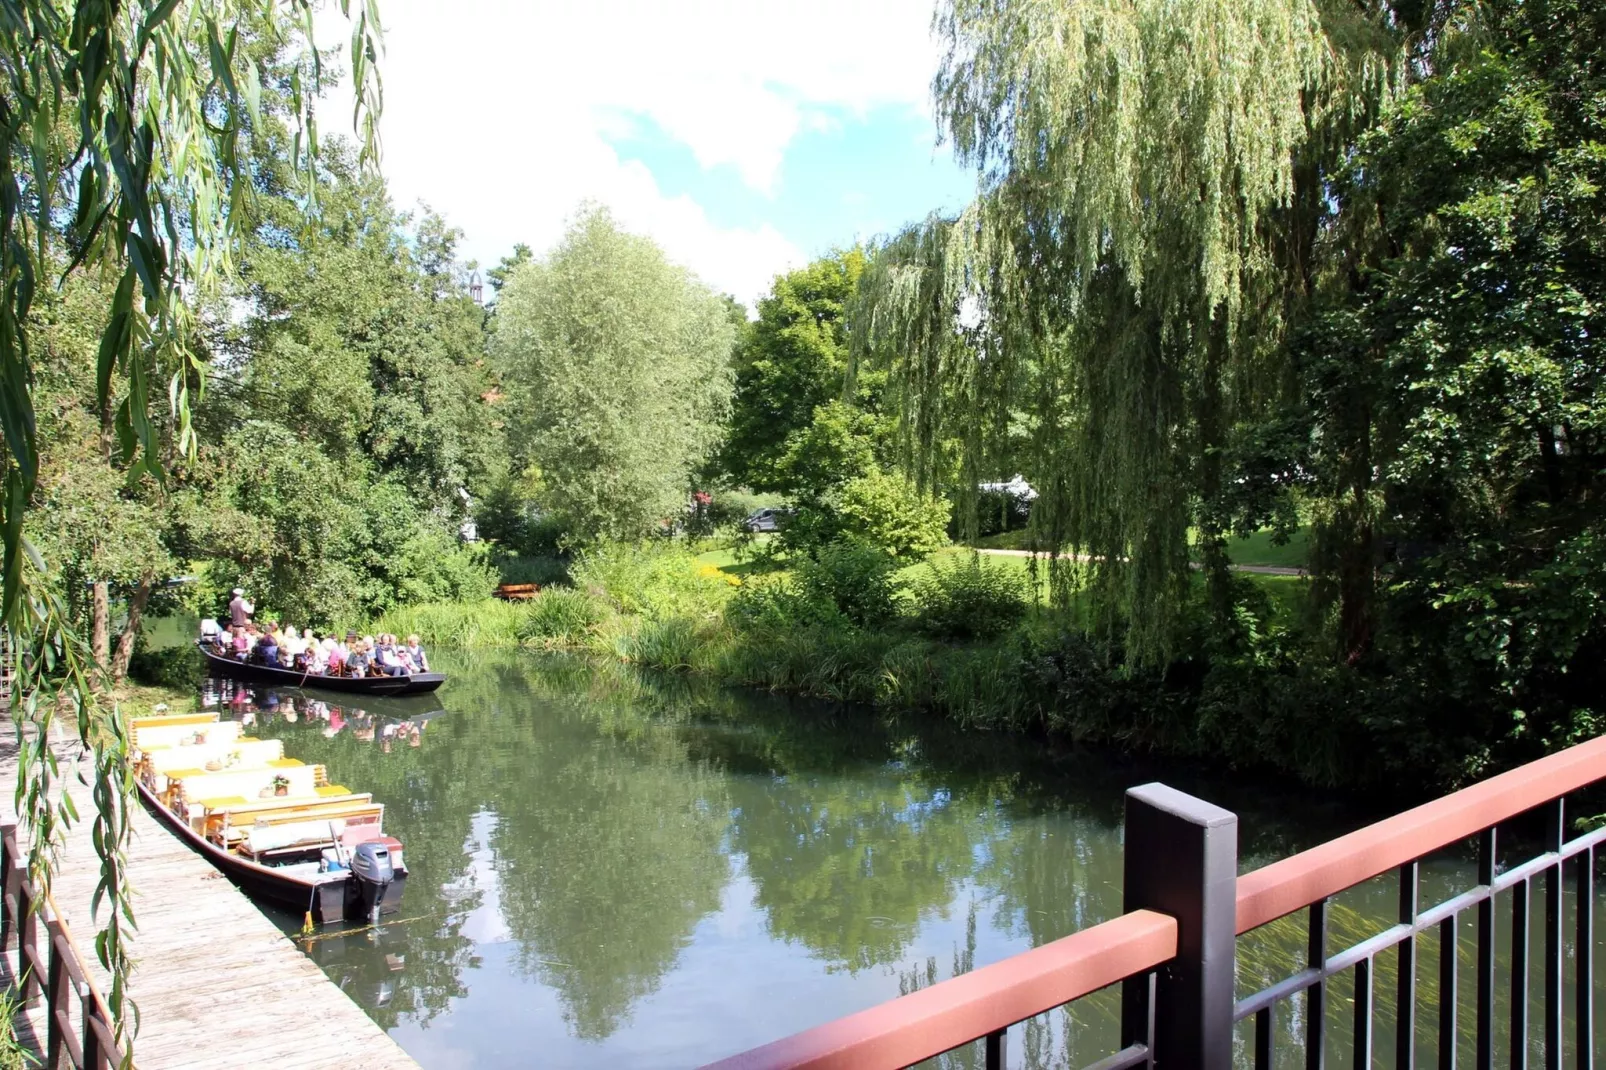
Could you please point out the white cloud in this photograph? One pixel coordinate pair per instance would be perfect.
(498, 114)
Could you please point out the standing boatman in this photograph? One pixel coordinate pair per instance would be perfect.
(239, 609)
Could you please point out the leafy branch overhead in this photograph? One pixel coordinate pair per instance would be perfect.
(129, 135)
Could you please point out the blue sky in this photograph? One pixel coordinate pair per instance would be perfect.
(847, 179)
(745, 136)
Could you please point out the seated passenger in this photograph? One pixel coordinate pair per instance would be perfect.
(390, 663)
(291, 646)
(415, 653)
(267, 650)
(334, 658)
(313, 659)
(240, 643)
(359, 660)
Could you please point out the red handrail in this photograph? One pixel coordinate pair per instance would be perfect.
(1296, 882)
(906, 1030)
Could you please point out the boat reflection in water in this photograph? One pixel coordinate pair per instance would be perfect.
(389, 725)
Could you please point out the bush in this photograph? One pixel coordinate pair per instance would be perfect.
(653, 580)
(560, 616)
(858, 581)
(885, 509)
(775, 602)
(178, 667)
(488, 623)
(436, 567)
(970, 600)
(672, 645)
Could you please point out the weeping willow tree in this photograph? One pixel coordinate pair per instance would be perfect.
(1152, 201)
(128, 134)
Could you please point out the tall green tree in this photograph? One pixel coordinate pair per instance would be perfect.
(617, 366)
(1453, 395)
(522, 254)
(791, 361)
(106, 534)
(1152, 183)
(346, 413)
(359, 329)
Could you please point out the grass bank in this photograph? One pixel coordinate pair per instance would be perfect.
(1261, 698)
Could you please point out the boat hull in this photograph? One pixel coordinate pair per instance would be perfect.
(419, 683)
(326, 901)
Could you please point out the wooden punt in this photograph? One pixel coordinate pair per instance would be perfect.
(419, 683)
(291, 876)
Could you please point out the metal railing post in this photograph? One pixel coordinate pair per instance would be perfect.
(1182, 860)
(27, 929)
(9, 880)
(57, 985)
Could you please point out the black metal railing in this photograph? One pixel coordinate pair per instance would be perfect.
(1550, 867)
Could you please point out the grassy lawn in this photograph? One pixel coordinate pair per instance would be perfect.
(1287, 592)
(1257, 549)
(725, 561)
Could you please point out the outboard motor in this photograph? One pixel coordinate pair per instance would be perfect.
(371, 865)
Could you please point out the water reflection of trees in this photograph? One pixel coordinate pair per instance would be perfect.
(605, 857)
(606, 869)
(847, 866)
(601, 858)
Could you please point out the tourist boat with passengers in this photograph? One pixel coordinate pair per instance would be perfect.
(273, 825)
(419, 683)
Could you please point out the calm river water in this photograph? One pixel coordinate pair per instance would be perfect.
(611, 871)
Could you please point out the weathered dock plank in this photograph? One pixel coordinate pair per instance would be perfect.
(217, 984)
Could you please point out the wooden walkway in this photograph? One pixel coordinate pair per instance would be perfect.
(217, 984)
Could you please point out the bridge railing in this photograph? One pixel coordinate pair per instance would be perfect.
(1308, 881)
(70, 996)
(1174, 950)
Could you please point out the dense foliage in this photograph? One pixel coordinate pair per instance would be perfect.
(1332, 265)
(130, 136)
(339, 431)
(618, 364)
(790, 361)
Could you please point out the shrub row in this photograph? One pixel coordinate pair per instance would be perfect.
(961, 642)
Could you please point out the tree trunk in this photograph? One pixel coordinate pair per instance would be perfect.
(1357, 561)
(125, 642)
(1551, 459)
(1212, 521)
(100, 628)
(1357, 579)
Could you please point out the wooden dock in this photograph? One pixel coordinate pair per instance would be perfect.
(218, 985)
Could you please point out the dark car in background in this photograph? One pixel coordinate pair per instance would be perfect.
(768, 519)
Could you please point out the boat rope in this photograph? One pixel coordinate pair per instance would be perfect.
(314, 938)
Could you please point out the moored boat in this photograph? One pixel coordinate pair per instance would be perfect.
(273, 825)
(419, 683)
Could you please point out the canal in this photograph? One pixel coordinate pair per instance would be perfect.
(612, 870)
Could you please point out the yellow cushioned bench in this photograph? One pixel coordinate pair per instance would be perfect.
(225, 801)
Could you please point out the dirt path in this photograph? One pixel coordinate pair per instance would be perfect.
(1257, 570)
